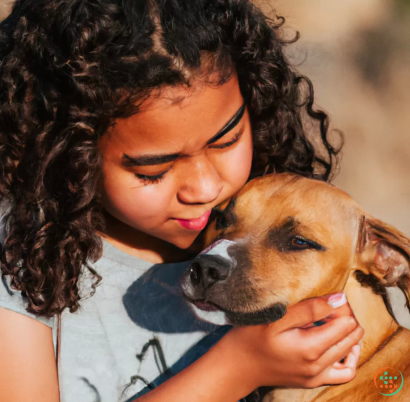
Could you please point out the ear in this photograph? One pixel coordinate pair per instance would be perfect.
(385, 253)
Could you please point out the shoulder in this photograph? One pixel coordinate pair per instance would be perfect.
(11, 299)
(26, 345)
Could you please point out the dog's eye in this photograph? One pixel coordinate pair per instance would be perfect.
(300, 243)
(224, 218)
(221, 222)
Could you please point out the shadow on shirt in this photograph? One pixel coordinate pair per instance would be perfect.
(155, 302)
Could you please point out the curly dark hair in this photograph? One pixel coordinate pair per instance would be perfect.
(70, 67)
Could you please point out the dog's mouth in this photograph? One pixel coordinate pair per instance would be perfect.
(205, 306)
(263, 316)
(266, 315)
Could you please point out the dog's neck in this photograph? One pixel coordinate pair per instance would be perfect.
(372, 314)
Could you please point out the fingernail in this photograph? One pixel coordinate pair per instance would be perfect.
(337, 300)
(361, 342)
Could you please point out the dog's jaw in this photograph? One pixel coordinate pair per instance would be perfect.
(219, 317)
(267, 315)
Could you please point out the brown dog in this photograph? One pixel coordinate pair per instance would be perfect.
(284, 239)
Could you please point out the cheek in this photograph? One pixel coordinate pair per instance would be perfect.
(296, 276)
(234, 167)
(282, 278)
(138, 206)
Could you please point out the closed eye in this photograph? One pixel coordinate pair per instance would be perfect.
(298, 243)
(221, 221)
(152, 179)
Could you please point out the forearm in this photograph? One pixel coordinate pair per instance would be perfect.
(218, 376)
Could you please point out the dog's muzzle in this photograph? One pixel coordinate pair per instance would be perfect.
(209, 284)
(212, 266)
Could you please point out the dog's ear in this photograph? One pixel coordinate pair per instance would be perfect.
(385, 253)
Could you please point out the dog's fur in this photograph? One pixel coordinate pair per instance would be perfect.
(288, 238)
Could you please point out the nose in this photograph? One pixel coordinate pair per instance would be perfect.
(201, 182)
(204, 272)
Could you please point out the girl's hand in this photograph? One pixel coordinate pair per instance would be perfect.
(293, 352)
(279, 354)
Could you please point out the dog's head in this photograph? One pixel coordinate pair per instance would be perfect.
(284, 239)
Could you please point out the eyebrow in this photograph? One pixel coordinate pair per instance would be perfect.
(148, 160)
(234, 121)
(278, 236)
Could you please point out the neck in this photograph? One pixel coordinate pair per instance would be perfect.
(141, 245)
(372, 315)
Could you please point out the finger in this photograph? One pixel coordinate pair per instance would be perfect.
(338, 351)
(341, 304)
(334, 375)
(343, 362)
(318, 340)
(341, 308)
(305, 312)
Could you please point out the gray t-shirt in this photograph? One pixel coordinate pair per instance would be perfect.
(124, 336)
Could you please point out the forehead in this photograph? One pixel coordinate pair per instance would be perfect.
(316, 208)
(175, 118)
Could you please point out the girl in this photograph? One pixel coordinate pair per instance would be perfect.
(123, 124)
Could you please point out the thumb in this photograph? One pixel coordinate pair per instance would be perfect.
(341, 305)
(317, 309)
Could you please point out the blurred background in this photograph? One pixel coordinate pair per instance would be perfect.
(357, 53)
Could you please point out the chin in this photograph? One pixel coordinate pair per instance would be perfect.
(183, 242)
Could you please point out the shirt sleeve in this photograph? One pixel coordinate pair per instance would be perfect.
(14, 301)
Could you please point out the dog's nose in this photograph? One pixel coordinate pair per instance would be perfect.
(207, 271)
(204, 271)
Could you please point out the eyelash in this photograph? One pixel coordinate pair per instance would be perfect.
(159, 177)
(152, 179)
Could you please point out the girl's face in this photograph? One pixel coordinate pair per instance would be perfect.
(167, 166)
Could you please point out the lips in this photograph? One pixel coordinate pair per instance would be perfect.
(202, 305)
(197, 223)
